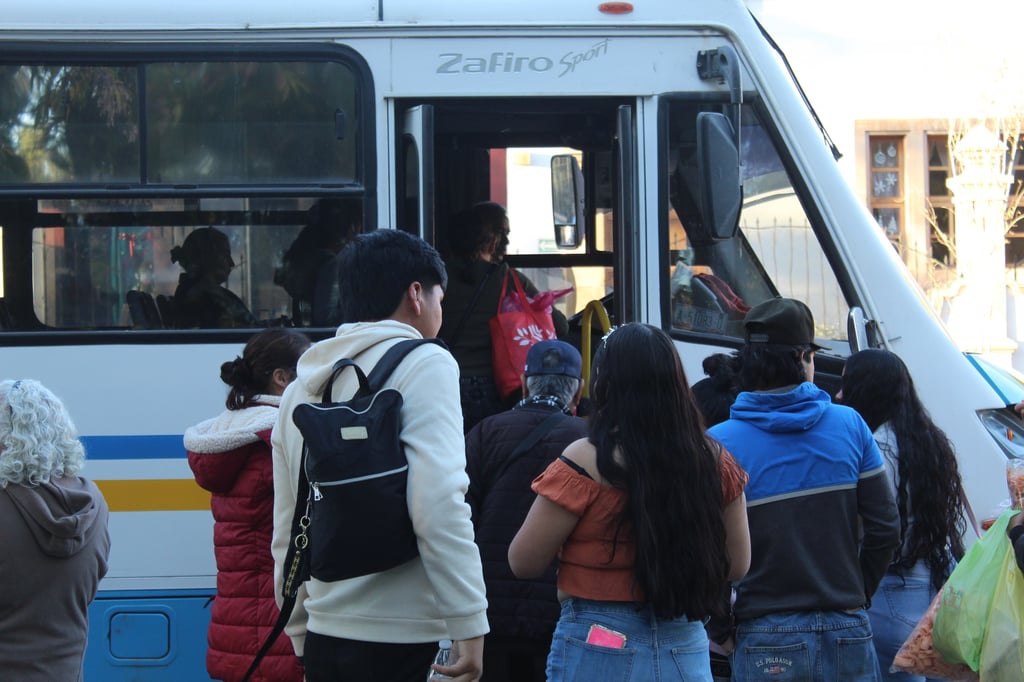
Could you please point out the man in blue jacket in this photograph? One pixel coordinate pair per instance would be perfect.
(823, 522)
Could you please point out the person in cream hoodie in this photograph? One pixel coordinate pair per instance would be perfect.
(386, 626)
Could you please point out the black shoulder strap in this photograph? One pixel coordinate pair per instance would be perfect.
(335, 371)
(385, 366)
(296, 568)
(530, 441)
(392, 358)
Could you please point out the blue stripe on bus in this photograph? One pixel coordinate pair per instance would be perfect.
(133, 447)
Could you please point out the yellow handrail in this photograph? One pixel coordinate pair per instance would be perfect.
(592, 308)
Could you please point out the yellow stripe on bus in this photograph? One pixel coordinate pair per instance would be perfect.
(176, 494)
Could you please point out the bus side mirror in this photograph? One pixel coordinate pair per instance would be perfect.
(718, 159)
(568, 204)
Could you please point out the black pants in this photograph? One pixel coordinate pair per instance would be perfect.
(515, 659)
(480, 399)
(332, 659)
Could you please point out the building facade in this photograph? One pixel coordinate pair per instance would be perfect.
(904, 173)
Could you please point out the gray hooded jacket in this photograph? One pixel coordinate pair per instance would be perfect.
(55, 552)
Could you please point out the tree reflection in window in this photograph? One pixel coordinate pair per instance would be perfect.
(205, 122)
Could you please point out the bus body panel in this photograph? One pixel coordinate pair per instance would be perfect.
(187, 15)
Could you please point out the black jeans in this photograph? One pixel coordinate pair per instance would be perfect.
(480, 399)
(332, 659)
(515, 659)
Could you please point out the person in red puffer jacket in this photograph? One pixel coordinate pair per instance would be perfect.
(230, 457)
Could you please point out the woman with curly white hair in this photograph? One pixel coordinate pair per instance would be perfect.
(53, 531)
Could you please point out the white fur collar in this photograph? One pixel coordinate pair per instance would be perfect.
(233, 428)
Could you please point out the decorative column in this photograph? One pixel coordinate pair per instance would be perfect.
(978, 320)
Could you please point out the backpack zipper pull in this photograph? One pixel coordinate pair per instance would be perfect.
(317, 495)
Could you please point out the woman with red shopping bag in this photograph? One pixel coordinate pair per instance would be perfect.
(478, 280)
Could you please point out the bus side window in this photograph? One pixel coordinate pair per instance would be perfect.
(307, 270)
(102, 264)
(711, 284)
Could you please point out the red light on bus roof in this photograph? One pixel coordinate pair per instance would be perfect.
(615, 7)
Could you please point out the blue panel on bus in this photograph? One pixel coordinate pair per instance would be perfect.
(140, 636)
(148, 637)
(133, 447)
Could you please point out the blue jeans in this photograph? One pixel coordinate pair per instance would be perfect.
(654, 650)
(895, 609)
(818, 646)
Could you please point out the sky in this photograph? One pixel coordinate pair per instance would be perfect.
(898, 58)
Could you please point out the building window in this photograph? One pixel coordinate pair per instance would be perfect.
(886, 154)
(940, 215)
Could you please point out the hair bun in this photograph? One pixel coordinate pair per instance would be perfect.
(236, 373)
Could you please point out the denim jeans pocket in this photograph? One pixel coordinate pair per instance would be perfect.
(692, 663)
(587, 662)
(777, 663)
(906, 603)
(856, 660)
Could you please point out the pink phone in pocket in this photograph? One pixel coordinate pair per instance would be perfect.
(602, 636)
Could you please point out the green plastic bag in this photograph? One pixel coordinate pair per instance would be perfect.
(1002, 653)
(967, 596)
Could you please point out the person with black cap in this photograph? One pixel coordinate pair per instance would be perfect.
(504, 453)
(823, 520)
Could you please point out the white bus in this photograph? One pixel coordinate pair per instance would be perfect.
(689, 179)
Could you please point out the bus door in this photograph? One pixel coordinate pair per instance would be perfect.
(416, 179)
(502, 150)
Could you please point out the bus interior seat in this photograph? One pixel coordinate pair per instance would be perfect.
(165, 305)
(143, 310)
(325, 310)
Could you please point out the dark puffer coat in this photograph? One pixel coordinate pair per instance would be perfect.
(500, 501)
(230, 457)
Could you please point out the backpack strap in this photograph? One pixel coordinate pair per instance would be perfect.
(335, 371)
(296, 566)
(385, 366)
(391, 359)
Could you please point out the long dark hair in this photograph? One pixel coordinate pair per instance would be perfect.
(250, 374)
(650, 444)
(878, 385)
(472, 229)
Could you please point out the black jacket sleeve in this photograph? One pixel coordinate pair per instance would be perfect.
(474, 469)
(880, 520)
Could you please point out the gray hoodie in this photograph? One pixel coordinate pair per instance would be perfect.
(56, 546)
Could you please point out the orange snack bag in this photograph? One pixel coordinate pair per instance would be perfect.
(918, 655)
(1015, 482)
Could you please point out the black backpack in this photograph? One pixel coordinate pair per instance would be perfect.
(357, 473)
(354, 520)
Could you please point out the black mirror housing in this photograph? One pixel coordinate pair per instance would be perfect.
(568, 203)
(719, 185)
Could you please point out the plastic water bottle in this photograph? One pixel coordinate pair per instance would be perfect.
(443, 657)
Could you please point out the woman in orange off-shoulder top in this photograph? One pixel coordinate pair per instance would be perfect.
(647, 517)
